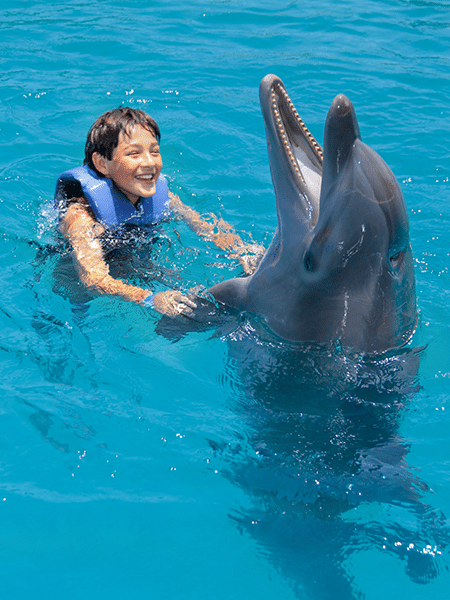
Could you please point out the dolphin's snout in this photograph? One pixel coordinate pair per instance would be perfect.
(267, 84)
(268, 79)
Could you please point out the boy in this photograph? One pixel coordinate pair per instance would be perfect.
(120, 182)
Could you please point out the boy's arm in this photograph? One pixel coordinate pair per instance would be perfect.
(83, 231)
(221, 233)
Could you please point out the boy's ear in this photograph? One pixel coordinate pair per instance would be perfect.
(101, 163)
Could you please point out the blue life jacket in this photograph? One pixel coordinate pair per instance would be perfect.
(110, 206)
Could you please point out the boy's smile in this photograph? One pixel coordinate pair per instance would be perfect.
(135, 165)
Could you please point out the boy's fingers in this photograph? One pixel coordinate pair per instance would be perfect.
(189, 302)
(172, 303)
(184, 301)
(187, 311)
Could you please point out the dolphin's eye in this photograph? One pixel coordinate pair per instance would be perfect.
(310, 261)
(396, 258)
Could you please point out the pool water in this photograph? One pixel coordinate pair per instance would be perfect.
(142, 461)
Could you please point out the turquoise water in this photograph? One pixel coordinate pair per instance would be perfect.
(221, 464)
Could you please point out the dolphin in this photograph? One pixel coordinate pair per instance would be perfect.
(340, 267)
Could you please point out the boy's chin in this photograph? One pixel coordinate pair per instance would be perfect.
(144, 191)
(149, 189)
(148, 192)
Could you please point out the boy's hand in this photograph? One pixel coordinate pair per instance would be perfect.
(173, 303)
(249, 256)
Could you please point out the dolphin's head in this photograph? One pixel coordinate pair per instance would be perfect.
(342, 219)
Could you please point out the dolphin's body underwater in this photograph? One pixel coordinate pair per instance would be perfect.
(340, 267)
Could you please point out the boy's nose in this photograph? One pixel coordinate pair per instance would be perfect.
(148, 158)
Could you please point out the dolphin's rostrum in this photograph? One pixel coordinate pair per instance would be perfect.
(340, 267)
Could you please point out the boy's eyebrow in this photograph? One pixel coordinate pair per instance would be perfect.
(138, 144)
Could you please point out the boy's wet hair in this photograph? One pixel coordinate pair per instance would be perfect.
(103, 136)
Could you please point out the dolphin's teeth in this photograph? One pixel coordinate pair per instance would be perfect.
(281, 91)
(282, 131)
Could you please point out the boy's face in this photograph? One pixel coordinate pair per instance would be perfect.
(135, 165)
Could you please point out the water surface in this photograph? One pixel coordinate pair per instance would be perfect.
(224, 464)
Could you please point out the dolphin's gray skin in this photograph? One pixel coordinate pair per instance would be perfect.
(340, 265)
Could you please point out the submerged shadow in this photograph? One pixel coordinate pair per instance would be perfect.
(324, 464)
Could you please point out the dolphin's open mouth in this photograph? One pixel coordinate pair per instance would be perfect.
(295, 156)
(292, 130)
